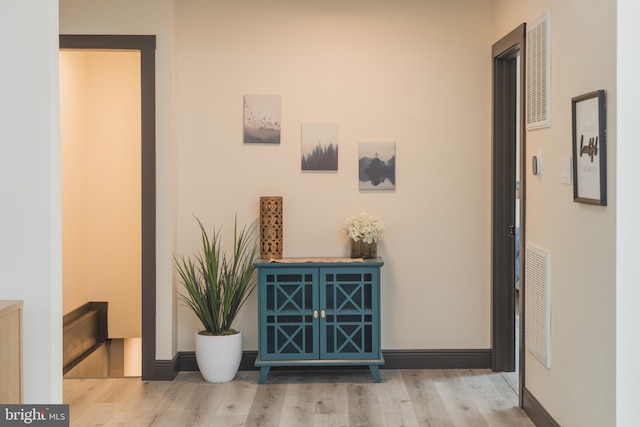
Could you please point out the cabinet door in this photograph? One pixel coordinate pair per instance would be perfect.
(288, 298)
(350, 299)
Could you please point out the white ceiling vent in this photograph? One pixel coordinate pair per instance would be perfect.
(537, 315)
(539, 72)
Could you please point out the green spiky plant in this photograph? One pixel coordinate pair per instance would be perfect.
(217, 284)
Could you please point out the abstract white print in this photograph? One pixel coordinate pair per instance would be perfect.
(320, 146)
(377, 165)
(589, 148)
(262, 118)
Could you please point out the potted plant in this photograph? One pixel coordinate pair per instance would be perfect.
(364, 231)
(216, 285)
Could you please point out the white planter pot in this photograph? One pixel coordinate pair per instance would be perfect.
(219, 357)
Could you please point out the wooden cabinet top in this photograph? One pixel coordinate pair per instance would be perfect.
(9, 306)
(319, 262)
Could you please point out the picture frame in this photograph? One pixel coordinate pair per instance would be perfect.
(376, 165)
(262, 122)
(319, 146)
(589, 148)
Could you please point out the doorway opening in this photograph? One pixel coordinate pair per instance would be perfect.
(508, 205)
(101, 230)
(144, 48)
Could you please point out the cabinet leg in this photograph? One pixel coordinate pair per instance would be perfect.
(264, 371)
(375, 372)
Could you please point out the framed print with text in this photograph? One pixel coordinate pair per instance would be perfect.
(589, 148)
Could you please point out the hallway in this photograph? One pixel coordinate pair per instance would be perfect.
(300, 398)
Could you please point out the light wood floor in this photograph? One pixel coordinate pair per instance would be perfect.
(463, 398)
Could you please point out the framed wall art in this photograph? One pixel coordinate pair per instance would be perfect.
(319, 146)
(377, 166)
(590, 148)
(262, 119)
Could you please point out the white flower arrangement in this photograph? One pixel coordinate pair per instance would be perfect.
(365, 227)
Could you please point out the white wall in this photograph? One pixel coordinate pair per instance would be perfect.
(628, 228)
(30, 247)
(100, 138)
(579, 388)
(416, 73)
(146, 17)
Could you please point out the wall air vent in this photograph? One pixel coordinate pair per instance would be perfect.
(538, 78)
(538, 303)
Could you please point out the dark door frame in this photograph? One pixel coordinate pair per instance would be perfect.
(504, 54)
(147, 47)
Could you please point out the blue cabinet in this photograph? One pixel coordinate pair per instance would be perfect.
(319, 313)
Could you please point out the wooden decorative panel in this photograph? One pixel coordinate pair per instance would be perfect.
(271, 227)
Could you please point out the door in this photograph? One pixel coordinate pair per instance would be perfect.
(508, 120)
(287, 313)
(349, 299)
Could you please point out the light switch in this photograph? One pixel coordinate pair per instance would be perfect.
(566, 170)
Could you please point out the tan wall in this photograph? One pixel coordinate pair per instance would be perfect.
(37, 179)
(579, 388)
(146, 17)
(417, 74)
(383, 73)
(74, 164)
(101, 184)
